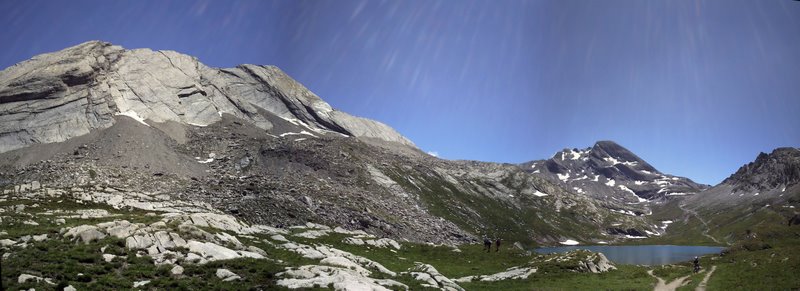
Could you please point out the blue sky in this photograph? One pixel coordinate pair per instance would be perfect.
(696, 88)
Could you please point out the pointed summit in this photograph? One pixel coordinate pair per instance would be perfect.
(615, 154)
(609, 170)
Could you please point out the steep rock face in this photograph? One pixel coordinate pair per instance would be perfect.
(762, 196)
(60, 95)
(779, 169)
(48, 98)
(610, 171)
(771, 179)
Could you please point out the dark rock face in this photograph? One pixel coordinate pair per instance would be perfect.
(604, 148)
(630, 232)
(795, 220)
(779, 169)
(610, 171)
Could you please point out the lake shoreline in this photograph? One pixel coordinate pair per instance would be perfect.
(650, 255)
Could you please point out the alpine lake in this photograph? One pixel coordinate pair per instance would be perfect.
(641, 254)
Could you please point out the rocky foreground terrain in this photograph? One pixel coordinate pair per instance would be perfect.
(97, 237)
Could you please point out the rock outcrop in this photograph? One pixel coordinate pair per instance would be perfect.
(582, 261)
(56, 96)
(777, 170)
(432, 278)
(513, 273)
(771, 179)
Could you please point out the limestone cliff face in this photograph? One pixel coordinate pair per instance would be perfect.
(56, 96)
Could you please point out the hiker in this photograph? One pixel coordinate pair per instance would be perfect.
(696, 264)
(487, 244)
(497, 245)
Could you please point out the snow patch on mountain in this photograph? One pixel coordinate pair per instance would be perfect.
(539, 194)
(622, 211)
(577, 154)
(570, 242)
(662, 183)
(626, 189)
(632, 236)
(297, 133)
(134, 115)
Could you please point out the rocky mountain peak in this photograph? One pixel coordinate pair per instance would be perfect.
(610, 171)
(609, 145)
(615, 154)
(57, 96)
(779, 169)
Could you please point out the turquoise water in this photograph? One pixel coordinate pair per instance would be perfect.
(641, 255)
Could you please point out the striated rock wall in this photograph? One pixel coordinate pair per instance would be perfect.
(56, 96)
